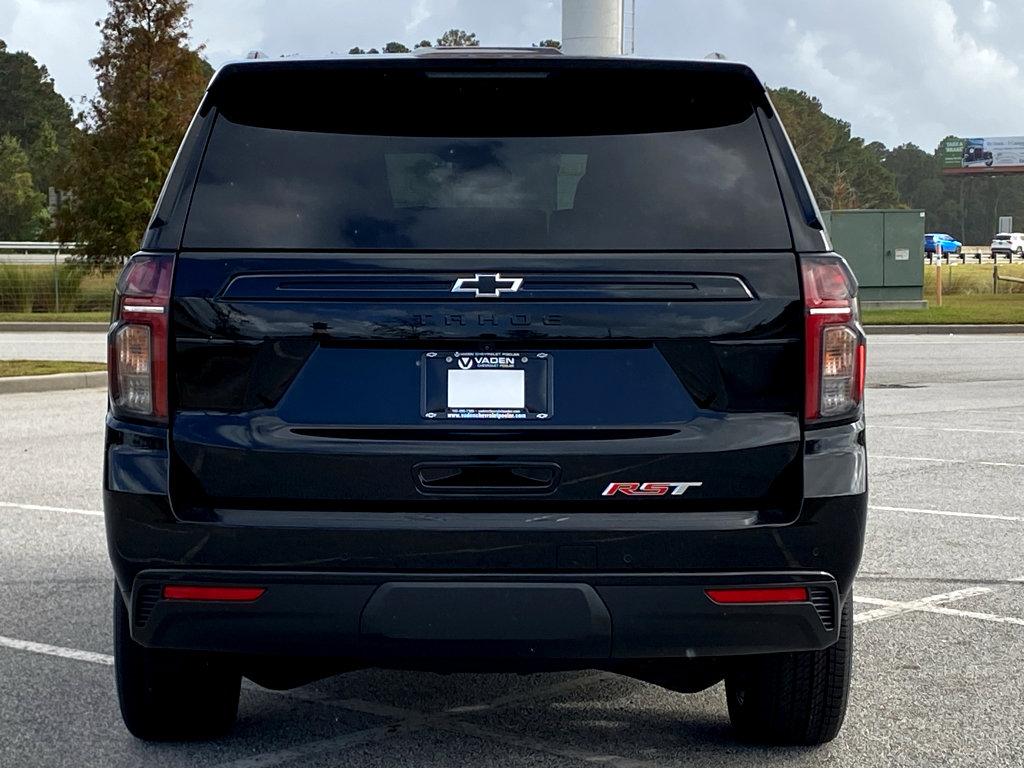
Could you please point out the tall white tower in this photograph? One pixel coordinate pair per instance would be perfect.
(597, 27)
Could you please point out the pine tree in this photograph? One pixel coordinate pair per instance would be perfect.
(149, 82)
(35, 114)
(22, 208)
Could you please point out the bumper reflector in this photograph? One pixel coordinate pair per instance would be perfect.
(211, 593)
(758, 595)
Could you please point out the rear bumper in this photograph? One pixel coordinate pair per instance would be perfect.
(549, 617)
(582, 586)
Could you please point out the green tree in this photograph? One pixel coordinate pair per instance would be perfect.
(35, 114)
(46, 156)
(424, 44)
(149, 81)
(394, 47)
(22, 208)
(356, 49)
(843, 171)
(549, 44)
(458, 38)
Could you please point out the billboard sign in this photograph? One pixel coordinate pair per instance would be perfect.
(991, 155)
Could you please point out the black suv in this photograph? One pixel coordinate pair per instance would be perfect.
(485, 361)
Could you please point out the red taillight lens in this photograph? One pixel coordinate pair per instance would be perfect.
(211, 593)
(137, 358)
(758, 594)
(835, 358)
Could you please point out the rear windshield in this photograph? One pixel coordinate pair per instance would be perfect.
(697, 178)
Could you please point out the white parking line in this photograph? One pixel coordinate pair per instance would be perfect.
(946, 610)
(48, 509)
(876, 426)
(947, 461)
(56, 651)
(896, 608)
(297, 753)
(953, 513)
(410, 720)
(405, 719)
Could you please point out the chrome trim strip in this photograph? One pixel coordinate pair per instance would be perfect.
(829, 311)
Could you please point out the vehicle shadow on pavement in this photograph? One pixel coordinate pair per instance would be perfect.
(581, 718)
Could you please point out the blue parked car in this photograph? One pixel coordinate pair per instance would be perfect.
(949, 244)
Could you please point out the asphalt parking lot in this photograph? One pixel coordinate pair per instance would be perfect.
(939, 676)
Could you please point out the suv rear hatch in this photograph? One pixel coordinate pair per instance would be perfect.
(434, 287)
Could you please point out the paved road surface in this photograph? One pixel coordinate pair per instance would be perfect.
(53, 345)
(939, 637)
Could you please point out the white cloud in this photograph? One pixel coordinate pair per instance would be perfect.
(60, 34)
(989, 14)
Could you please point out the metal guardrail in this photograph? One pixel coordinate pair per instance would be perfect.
(974, 257)
(34, 245)
(34, 252)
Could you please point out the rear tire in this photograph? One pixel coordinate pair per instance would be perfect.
(171, 695)
(797, 698)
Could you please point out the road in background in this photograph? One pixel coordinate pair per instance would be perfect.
(939, 637)
(53, 345)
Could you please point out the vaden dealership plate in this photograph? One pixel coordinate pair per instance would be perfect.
(487, 385)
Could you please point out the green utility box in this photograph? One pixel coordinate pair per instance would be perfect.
(885, 248)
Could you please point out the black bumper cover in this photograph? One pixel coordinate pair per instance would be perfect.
(508, 616)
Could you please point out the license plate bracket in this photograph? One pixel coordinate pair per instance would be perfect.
(486, 385)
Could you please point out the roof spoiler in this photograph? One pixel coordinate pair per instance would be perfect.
(482, 52)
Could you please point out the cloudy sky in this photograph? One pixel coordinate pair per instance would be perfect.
(898, 70)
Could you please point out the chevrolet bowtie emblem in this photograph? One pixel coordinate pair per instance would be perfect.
(486, 285)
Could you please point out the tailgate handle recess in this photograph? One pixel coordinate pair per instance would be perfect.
(484, 477)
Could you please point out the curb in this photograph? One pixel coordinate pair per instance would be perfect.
(49, 382)
(21, 326)
(964, 328)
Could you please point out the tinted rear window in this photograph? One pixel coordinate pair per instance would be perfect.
(518, 170)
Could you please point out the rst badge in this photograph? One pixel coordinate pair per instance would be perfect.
(650, 488)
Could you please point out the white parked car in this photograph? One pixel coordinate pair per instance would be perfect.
(1008, 243)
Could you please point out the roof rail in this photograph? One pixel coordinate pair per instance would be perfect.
(479, 51)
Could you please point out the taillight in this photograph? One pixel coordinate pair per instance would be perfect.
(211, 593)
(137, 343)
(757, 594)
(835, 358)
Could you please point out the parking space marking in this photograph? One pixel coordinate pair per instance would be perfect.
(445, 720)
(895, 608)
(295, 754)
(406, 720)
(49, 509)
(988, 516)
(534, 744)
(948, 611)
(876, 426)
(56, 651)
(984, 463)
